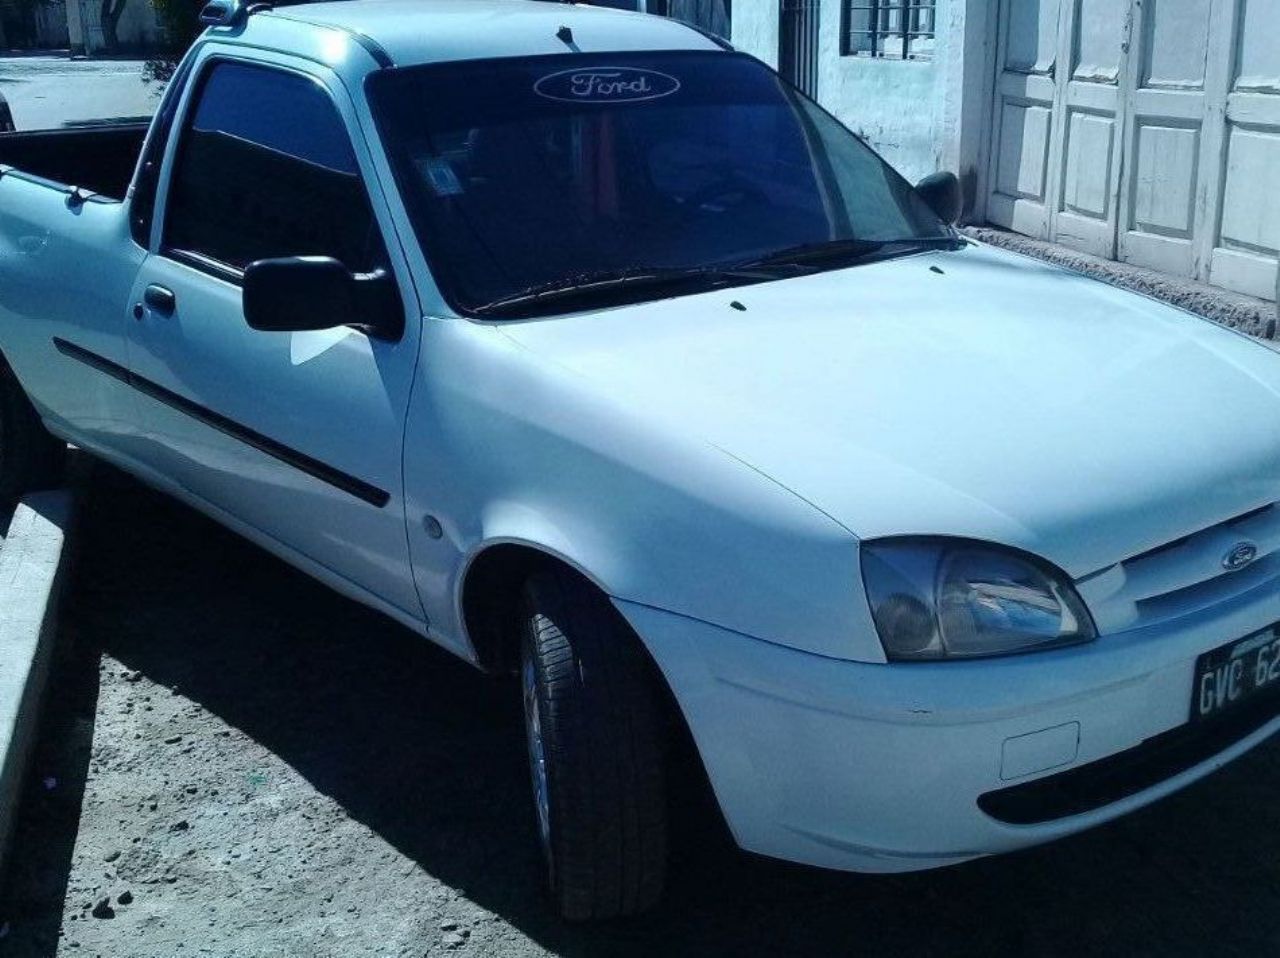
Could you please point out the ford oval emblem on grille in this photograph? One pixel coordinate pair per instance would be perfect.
(1240, 556)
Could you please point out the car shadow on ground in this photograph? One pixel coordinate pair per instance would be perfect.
(428, 754)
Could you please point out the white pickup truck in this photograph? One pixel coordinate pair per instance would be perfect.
(587, 348)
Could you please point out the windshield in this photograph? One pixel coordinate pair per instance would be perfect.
(557, 173)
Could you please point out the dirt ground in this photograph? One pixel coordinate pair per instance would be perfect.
(236, 762)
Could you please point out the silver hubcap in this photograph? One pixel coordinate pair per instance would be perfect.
(537, 753)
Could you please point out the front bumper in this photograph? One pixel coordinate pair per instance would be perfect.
(884, 768)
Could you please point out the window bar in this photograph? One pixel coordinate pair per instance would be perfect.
(904, 25)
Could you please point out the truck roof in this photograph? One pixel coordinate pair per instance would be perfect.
(432, 31)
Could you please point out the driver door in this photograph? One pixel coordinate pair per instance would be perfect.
(294, 437)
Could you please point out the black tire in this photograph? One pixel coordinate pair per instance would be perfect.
(30, 458)
(582, 668)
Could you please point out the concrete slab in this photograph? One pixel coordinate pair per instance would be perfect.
(31, 566)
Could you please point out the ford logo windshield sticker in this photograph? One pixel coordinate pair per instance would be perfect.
(1240, 556)
(606, 85)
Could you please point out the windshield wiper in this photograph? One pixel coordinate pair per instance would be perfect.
(585, 287)
(848, 250)
(605, 284)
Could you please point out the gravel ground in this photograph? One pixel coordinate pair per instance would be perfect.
(1254, 316)
(236, 762)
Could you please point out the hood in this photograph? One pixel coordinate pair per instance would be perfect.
(971, 393)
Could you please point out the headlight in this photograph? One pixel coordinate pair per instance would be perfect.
(954, 598)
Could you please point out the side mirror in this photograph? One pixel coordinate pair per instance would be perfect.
(300, 293)
(942, 192)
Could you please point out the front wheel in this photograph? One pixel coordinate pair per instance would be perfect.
(596, 750)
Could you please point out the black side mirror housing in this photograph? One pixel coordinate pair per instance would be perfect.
(300, 293)
(942, 192)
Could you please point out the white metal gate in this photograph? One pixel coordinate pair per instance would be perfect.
(1145, 130)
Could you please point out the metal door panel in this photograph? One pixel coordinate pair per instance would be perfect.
(1084, 213)
(1242, 245)
(1023, 121)
(1160, 214)
(1148, 131)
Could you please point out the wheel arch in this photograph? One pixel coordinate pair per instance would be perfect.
(489, 595)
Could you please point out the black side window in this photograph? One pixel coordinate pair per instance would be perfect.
(266, 169)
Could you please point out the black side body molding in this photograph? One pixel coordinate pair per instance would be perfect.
(286, 454)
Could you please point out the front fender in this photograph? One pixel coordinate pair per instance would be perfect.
(503, 446)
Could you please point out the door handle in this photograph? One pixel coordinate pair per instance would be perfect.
(160, 299)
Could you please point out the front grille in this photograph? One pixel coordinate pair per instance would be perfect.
(1126, 773)
(1184, 575)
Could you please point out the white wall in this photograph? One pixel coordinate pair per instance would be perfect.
(755, 29)
(892, 104)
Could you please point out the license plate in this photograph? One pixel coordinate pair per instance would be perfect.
(1236, 673)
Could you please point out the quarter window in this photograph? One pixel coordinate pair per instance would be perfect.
(266, 169)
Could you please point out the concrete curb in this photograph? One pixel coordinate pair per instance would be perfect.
(1257, 317)
(31, 572)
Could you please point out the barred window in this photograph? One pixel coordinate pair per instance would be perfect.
(894, 29)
